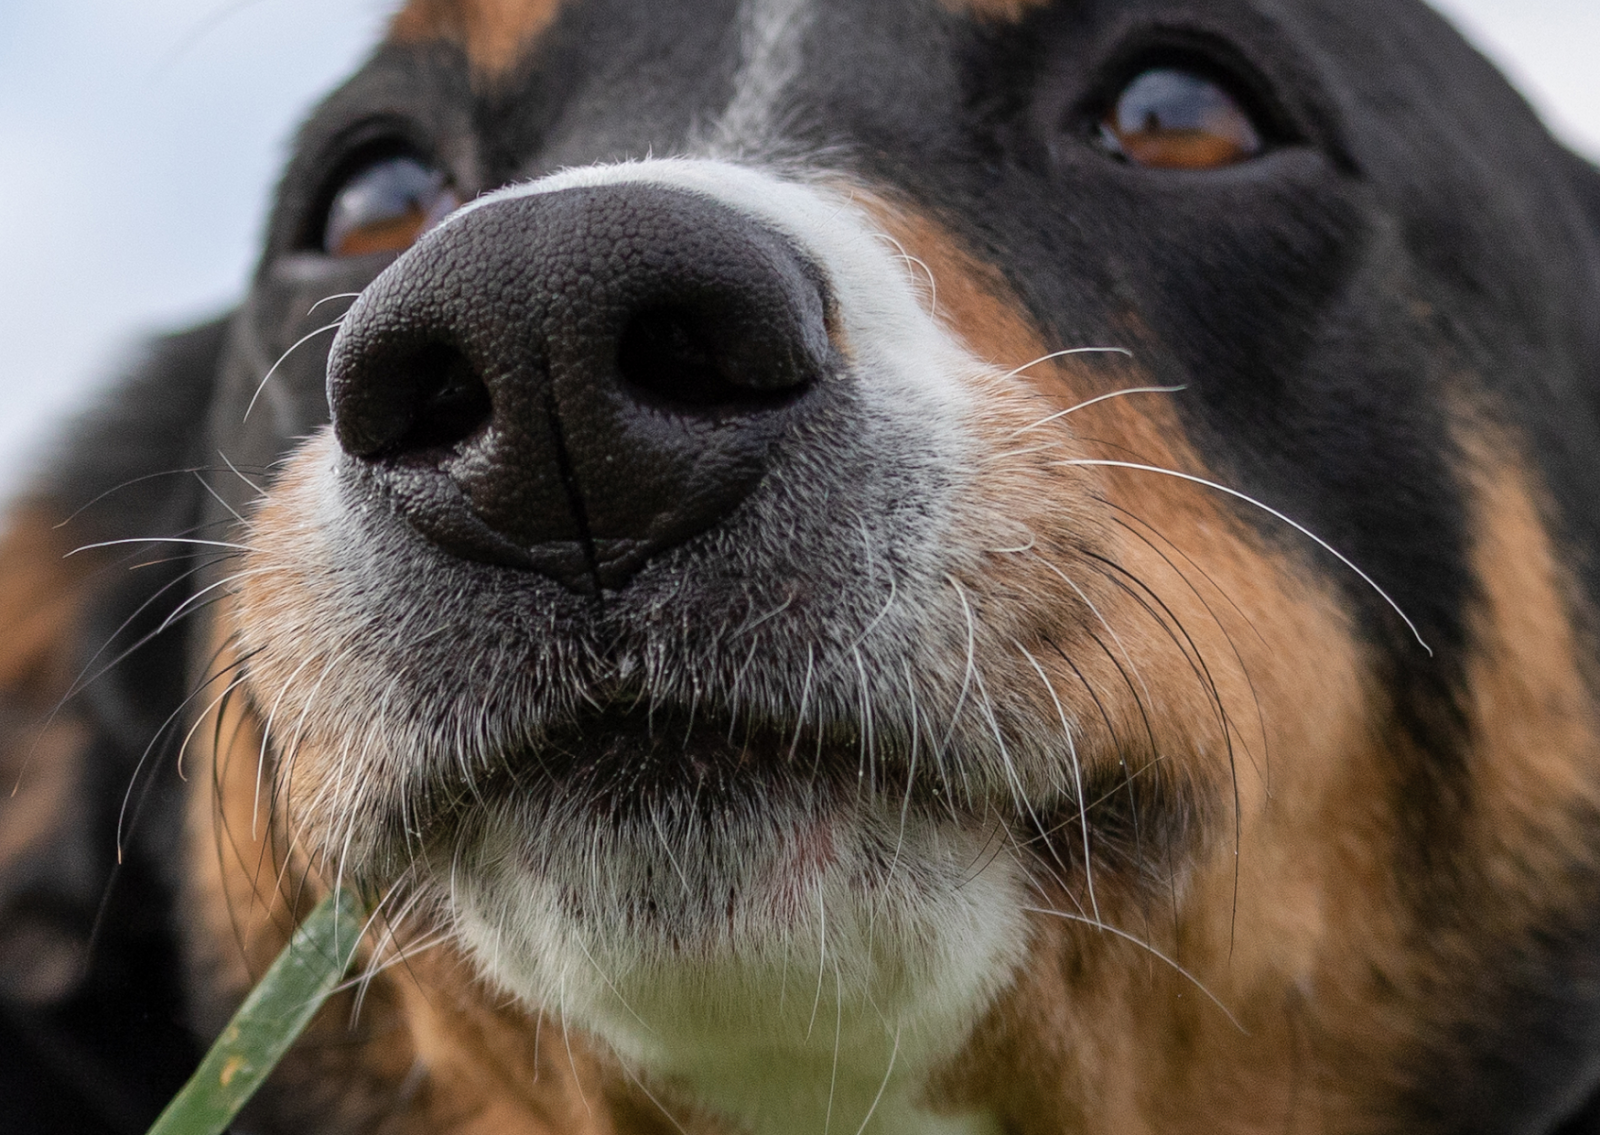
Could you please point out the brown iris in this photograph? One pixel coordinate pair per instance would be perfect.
(386, 206)
(1168, 118)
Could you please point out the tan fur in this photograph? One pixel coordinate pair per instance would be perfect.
(494, 33)
(1529, 682)
(998, 11)
(43, 593)
(40, 600)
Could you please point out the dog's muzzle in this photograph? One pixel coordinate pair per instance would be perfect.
(574, 381)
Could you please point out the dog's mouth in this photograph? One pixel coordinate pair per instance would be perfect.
(630, 759)
(661, 785)
(666, 778)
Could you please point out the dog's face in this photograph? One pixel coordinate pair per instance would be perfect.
(925, 565)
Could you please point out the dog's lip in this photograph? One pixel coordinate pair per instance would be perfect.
(628, 756)
(765, 821)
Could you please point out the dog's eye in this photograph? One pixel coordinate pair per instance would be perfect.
(1168, 118)
(386, 206)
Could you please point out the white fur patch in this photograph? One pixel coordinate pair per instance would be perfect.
(772, 32)
(823, 999)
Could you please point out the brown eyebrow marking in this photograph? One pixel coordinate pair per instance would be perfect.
(995, 11)
(494, 33)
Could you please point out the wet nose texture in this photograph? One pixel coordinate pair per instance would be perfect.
(575, 381)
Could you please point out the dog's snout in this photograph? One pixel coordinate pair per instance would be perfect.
(574, 381)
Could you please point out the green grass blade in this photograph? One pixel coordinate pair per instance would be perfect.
(271, 1018)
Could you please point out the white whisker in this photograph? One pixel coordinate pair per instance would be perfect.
(206, 485)
(1094, 401)
(329, 299)
(1063, 354)
(298, 343)
(160, 540)
(1077, 775)
(933, 285)
(1292, 523)
(1148, 948)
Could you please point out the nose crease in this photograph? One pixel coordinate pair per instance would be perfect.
(580, 511)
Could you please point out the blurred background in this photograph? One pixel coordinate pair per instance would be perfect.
(139, 140)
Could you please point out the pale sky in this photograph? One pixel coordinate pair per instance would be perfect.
(141, 138)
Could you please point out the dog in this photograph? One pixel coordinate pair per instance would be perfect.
(917, 566)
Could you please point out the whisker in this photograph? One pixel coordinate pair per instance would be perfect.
(129, 483)
(638, 1083)
(1102, 620)
(1261, 720)
(822, 955)
(154, 740)
(1292, 523)
(312, 310)
(298, 343)
(966, 680)
(1188, 559)
(1093, 401)
(1063, 354)
(805, 694)
(159, 540)
(85, 679)
(198, 599)
(234, 469)
(216, 496)
(1097, 924)
(933, 285)
(838, 1043)
(262, 757)
(911, 771)
(1077, 774)
(577, 940)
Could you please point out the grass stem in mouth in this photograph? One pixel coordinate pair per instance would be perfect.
(277, 1011)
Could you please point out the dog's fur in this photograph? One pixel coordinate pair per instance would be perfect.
(1195, 737)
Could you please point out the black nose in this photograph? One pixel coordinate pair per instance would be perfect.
(574, 381)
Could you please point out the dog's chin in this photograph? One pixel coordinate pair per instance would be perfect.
(682, 888)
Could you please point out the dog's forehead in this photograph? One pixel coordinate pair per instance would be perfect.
(652, 75)
(496, 32)
(571, 82)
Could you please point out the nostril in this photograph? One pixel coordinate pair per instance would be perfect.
(684, 360)
(453, 401)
